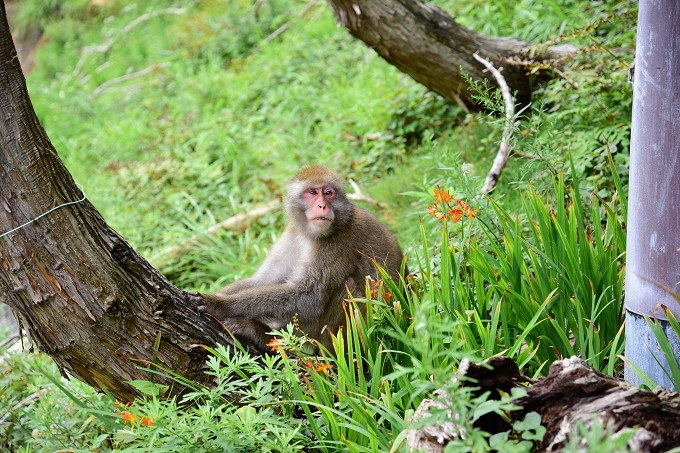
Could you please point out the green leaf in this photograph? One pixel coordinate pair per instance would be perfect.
(148, 388)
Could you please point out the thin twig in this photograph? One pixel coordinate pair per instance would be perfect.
(124, 78)
(279, 31)
(504, 149)
(106, 45)
(358, 195)
(256, 8)
(24, 402)
(8, 341)
(239, 221)
(514, 152)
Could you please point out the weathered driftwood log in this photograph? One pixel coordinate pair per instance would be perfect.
(572, 392)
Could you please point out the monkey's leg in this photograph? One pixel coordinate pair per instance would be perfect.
(249, 332)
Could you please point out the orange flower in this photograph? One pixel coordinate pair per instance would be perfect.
(450, 209)
(128, 417)
(433, 211)
(375, 286)
(455, 214)
(323, 368)
(147, 421)
(274, 344)
(441, 195)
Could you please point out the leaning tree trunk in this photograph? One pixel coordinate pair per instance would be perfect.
(82, 293)
(426, 43)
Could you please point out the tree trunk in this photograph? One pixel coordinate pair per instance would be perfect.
(81, 292)
(426, 43)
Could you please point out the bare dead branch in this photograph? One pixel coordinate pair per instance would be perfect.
(106, 45)
(24, 402)
(504, 149)
(256, 8)
(358, 195)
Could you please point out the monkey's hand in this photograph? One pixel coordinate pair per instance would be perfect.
(212, 304)
(195, 298)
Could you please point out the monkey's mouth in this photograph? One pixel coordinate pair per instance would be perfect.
(321, 221)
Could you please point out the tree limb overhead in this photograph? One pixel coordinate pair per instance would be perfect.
(426, 43)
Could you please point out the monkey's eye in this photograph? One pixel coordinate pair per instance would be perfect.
(329, 192)
(311, 191)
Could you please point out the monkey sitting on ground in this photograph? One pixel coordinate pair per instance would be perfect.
(327, 249)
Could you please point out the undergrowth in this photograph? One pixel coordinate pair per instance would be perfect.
(175, 116)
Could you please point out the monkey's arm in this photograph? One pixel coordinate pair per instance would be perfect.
(273, 305)
(236, 287)
(274, 269)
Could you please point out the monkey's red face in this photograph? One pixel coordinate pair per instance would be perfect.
(319, 212)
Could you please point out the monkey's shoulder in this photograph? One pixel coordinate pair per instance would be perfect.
(363, 219)
(368, 229)
(366, 240)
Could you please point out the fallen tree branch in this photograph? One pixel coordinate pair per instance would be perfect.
(358, 195)
(504, 149)
(23, 403)
(106, 45)
(124, 78)
(236, 222)
(573, 393)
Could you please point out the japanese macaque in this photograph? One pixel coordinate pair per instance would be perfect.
(326, 252)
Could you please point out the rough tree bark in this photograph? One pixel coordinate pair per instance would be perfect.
(426, 43)
(82, 293)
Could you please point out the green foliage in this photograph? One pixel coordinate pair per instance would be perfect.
(563, 267)
(37, 14)
(231, 29)
(37, 413)
(175, 116)
(426, 115)
(549, 294)
(246, 411)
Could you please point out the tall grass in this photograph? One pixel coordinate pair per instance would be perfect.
(558, 280)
